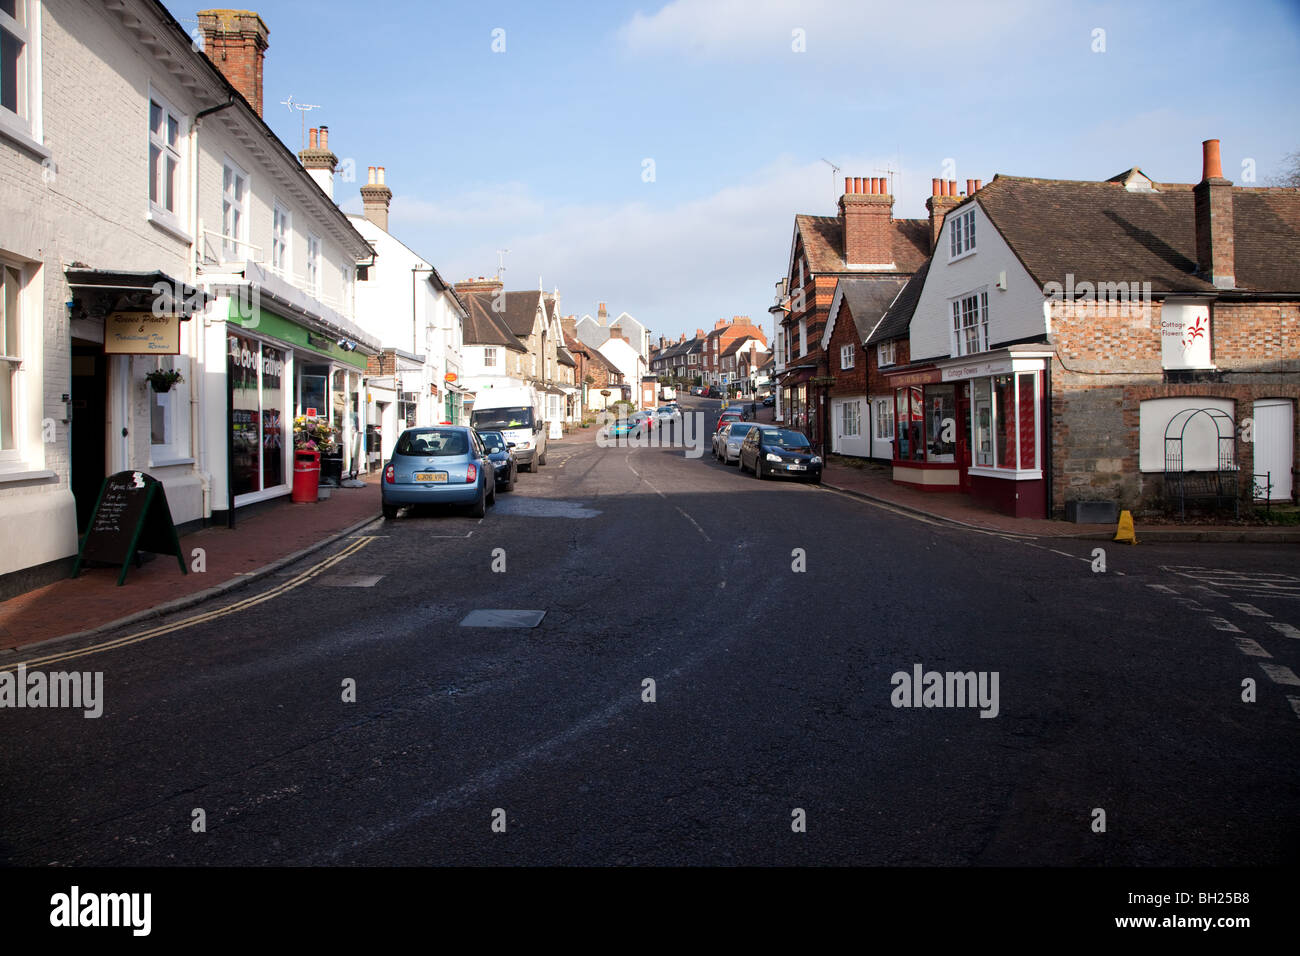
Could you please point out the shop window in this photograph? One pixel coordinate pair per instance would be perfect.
(941, 422)
(909, 418)
(169, 415)
(1028, 412)
(1004, 403)
(982, 423)
(257, 415)
(273, 431)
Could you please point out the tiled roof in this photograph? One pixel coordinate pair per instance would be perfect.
(868, 298)
(823, 242)
(521, 311)
(895, 322)
(565, 357)
(485, 327)
(1102, 232)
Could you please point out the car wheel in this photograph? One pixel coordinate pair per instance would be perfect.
(758, 468)
(817, 479)
(480, 507)
(514, 476)
(492, 489)
(542, 459)
(390, 512)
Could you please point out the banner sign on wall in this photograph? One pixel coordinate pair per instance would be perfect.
(142, 333)
(1185, 336)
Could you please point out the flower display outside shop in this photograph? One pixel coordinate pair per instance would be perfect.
(313, 434)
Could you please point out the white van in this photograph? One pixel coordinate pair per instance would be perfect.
(516, 412)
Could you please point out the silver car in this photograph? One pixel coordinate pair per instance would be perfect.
(727, 441)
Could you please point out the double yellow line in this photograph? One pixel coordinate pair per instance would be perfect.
(203, 618)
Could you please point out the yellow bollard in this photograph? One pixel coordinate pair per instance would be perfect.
(1125, 531)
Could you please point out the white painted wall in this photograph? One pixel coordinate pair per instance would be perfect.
(627, 360)
(1013, 314)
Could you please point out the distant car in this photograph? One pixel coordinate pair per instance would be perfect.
(440, 465)
(770, 451)
(668, 415)
(769, 401)
(621, 427)
(503, 458)
(726, 418)
(726, 443)
(746, 410)
(697, 390)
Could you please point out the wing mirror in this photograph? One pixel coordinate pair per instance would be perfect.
(510, 444)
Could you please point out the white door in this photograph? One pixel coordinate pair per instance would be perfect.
(1274, 448)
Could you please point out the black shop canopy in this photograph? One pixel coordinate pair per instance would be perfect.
(98, 292)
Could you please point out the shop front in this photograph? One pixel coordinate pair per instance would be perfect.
(280, 369)
(1000, 411)
(927, 447)
(795, 397)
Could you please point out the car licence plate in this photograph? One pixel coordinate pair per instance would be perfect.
(437, 477)
(797, 467)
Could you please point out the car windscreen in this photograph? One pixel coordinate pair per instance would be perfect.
(785, 438)
(502, 418)
(493, 442)
(738, 432)
(434, 443)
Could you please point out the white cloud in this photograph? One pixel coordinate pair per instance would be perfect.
(755, 29)
(677, 265)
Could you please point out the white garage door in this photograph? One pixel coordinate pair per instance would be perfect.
(1274, 445)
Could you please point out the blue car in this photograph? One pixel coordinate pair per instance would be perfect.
(439, 465)
(502, 453)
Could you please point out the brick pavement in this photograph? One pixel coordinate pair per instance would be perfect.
(272, 532)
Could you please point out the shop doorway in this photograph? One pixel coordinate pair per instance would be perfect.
(963, 437)
(88, 433)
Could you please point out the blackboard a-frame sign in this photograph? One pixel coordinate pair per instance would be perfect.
(130, 516)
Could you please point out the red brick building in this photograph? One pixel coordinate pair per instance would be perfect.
(864, 240)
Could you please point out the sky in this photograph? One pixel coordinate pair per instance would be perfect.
(653, 155)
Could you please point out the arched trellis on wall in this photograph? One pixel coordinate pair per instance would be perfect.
(1218, 484)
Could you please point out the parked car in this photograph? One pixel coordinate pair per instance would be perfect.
(668, 415)
(696, 390)
(440, 465)
(502, 453)
(728, 416)
(769, 401)
(769, 451)
(727, 441)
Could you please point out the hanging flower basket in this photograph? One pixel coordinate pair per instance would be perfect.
(162, 380)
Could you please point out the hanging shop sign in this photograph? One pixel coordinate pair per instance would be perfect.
(142, 333)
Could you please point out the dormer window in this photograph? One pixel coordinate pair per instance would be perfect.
(962, 235)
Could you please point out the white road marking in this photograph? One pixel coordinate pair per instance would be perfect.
(1162, 588)
(1247, 646)
(1223, 624)
(1251, 610)
(1281, 674)
(1064, 554)
(1286, 630)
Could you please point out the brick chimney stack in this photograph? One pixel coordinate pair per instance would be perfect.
(375, 197)
(601, 315)
(943, 196)
(236, 41)
(1215, 253)
(318, 160)
(480, 284)
(866, 212)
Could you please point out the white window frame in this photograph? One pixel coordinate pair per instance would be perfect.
(961, 236)
(854, 420)
(234, 235)
(489, 356)
(12, 454)
(887, 353)
(177, 449)
(847, 357)
(158, 211)
(281, 237)
(884, 419)
(963, 325)
(313, 263)
(24, 124)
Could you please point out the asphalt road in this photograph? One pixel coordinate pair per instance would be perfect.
(1118, 691)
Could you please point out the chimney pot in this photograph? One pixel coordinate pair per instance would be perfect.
(1212, 166)
(311, 138)
(848, 185)
(970, 187)
(934, 187)
(979, 184)
(324, 137)
(952, 187)
(943, 187)
(381, 175)
(370, 180)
